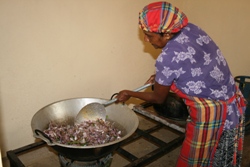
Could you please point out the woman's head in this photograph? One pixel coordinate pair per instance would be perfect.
(162, 17)
(157, 40)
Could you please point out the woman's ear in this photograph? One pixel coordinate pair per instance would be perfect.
(168, 36)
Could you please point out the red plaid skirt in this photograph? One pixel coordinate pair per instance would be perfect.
(204, 129)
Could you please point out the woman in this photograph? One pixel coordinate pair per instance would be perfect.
(192, 66)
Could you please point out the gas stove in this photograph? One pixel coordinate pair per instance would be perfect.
(144, 110)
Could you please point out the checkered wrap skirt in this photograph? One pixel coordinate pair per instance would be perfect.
(206, 143)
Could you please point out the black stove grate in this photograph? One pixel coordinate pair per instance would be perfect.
(163, 147)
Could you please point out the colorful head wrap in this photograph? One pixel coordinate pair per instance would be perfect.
(162, 17)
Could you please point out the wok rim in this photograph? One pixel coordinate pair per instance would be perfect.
(54, 143)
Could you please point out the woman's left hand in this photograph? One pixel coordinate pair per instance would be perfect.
(123, 96)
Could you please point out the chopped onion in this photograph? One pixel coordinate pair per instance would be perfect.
(88, 133)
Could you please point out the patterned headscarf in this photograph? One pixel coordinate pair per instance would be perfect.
(162, 17)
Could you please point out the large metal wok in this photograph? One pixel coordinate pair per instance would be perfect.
(65, 111)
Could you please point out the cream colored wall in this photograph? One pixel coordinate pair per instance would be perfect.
(1, 164)
(58, 49)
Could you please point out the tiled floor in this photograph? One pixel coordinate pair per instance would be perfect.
(46, 157)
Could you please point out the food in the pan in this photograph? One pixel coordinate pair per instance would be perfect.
(88, 133)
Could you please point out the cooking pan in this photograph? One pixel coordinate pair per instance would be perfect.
(65, 111)
(173, 108)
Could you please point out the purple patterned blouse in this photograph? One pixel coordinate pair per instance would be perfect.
(196, 65)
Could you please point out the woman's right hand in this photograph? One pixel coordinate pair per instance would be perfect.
(151, 80)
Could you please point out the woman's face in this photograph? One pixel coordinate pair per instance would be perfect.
(157, 40)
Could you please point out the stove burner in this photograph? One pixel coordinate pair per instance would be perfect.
(103, 162)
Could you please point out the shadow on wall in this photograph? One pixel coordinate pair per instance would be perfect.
(1, 127)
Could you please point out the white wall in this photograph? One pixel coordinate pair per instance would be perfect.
(57, 49)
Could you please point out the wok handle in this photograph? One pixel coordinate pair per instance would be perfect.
(44, 137)
(135, 90)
